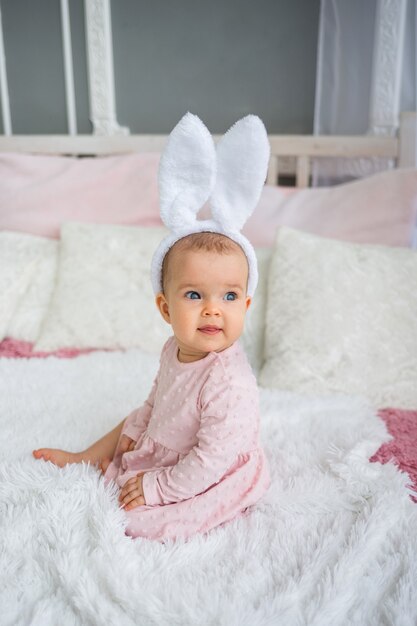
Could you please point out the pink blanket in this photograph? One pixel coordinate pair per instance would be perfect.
(13, 348)
(402, 449)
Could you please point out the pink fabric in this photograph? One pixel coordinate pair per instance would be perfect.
(380, 209)
(38, 193)
(198, 443)
(402, 449)
(14, 348)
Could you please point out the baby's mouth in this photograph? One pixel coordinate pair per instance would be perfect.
(210, 330)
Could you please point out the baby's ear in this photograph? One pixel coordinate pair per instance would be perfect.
(187, 173)
(242, 164)
(162, 306)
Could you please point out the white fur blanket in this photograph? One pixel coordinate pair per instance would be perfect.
(333, 542)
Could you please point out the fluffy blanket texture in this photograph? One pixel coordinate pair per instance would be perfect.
(333, 542)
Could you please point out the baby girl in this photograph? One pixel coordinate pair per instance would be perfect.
(190, 458)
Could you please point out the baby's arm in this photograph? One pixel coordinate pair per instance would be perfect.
(136, 423)
(227, 421)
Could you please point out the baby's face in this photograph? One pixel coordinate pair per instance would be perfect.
(205, 301)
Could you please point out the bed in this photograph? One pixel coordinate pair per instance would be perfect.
(331, 336)
(334, 539)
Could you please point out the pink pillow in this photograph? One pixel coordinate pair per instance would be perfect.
(38, 193)
(380, 209)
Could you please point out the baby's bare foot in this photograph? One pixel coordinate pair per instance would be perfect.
(58, 457)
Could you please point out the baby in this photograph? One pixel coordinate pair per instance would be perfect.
(190, 458)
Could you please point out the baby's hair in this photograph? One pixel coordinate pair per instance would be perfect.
(210, 242)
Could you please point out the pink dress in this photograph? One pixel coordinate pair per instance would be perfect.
(198, 442)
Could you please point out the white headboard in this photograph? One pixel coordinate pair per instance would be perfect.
(290, 153)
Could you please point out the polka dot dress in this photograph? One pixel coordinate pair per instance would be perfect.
(198, 443)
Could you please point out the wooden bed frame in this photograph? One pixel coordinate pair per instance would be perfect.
(290, 154)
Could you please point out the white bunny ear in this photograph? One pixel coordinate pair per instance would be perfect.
(242, 163)
(187, 172)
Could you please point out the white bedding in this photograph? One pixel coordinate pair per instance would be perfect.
(333, 542)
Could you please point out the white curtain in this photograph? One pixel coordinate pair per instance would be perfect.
(366, 75)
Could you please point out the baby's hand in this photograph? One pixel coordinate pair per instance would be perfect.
(126, 444)
(131, 495)
(103, 464)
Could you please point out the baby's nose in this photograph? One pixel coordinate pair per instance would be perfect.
(211, 308)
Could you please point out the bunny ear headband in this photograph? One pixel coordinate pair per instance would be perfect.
(230, 176)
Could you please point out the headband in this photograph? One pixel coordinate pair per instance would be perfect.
(231, 176)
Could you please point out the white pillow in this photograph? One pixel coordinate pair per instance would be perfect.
(22, 259)
(342, 317)
(32, 307)
(103, 296)
(253, 335)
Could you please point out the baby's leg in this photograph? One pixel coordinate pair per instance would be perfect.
(102, 451)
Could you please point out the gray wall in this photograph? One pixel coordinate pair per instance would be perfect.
(33, 48)
(220, 59)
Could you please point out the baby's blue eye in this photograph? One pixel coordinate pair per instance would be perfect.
(192, 295)
(230, 296)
